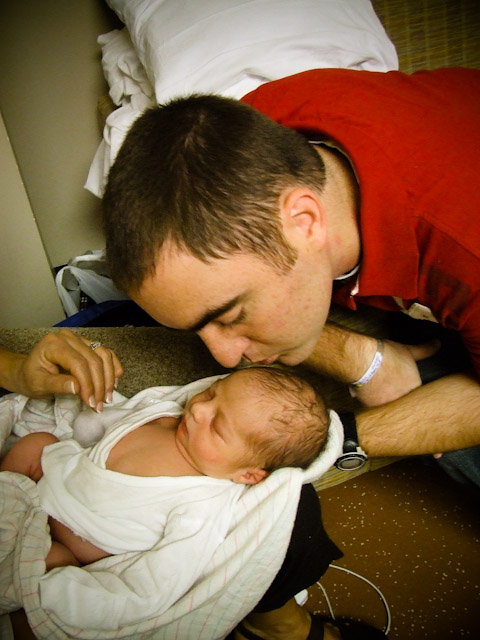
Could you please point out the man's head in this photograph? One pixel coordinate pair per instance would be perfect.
(204, 175)
(252, 422)
(211, 211)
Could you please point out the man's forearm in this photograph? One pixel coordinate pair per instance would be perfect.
(341, 353)
(403, 418)
(441, 416)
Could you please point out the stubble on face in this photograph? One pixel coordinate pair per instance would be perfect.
(284, 314)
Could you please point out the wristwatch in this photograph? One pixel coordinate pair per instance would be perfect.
(353, 456)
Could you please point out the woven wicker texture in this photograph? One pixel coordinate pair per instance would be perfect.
(432, 33)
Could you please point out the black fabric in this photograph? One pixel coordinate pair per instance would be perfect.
(309, 553)
(452, 356)
(349, 429)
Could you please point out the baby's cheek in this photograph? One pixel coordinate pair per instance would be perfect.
(212, 455)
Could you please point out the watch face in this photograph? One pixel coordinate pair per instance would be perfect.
(350, 461)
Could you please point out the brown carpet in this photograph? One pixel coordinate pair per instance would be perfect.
(415, 534)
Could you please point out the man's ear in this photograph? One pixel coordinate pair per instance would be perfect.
(303, 211)
(250, 476)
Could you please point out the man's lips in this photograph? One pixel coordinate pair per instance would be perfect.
(270, 360)
(265, 361)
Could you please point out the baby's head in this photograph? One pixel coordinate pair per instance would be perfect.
(292, 431)
(253, 422)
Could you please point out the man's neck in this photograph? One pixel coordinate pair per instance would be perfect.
(341, 198)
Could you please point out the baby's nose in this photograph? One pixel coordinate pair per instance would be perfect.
(200, 411)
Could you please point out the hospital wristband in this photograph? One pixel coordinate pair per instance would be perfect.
(372, 369)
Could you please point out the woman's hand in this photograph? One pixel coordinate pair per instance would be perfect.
(63, 363)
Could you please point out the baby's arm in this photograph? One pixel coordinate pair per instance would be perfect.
(26, 455)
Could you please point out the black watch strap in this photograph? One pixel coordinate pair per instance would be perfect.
(353, 456)
(349, 429)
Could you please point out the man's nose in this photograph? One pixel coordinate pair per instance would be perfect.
(228, 351)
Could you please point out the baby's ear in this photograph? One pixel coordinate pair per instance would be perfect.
(250, 476)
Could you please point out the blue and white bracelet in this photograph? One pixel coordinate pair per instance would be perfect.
(372, 369)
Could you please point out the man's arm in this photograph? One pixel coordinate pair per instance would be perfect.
(441, 416)
(404, 418)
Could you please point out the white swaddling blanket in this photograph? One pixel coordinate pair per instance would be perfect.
(119, 512)
(115, 597)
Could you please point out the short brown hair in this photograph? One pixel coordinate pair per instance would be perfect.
(297, 430)
(205, 173)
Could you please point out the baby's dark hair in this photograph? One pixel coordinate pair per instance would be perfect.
(298, 426)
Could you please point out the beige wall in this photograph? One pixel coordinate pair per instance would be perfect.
(50, 80)
(28, 296)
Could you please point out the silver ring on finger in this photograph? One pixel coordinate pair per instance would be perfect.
(95, 345)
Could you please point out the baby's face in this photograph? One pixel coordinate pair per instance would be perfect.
(213, 429)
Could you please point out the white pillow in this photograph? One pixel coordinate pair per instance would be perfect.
(232, 46)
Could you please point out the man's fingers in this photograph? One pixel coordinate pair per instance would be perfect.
(422, 351)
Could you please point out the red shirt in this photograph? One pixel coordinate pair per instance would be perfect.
(414, 142)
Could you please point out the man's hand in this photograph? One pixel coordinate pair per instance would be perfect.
(398, 373)
(64, 363)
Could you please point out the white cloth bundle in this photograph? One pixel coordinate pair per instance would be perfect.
(114, 598)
